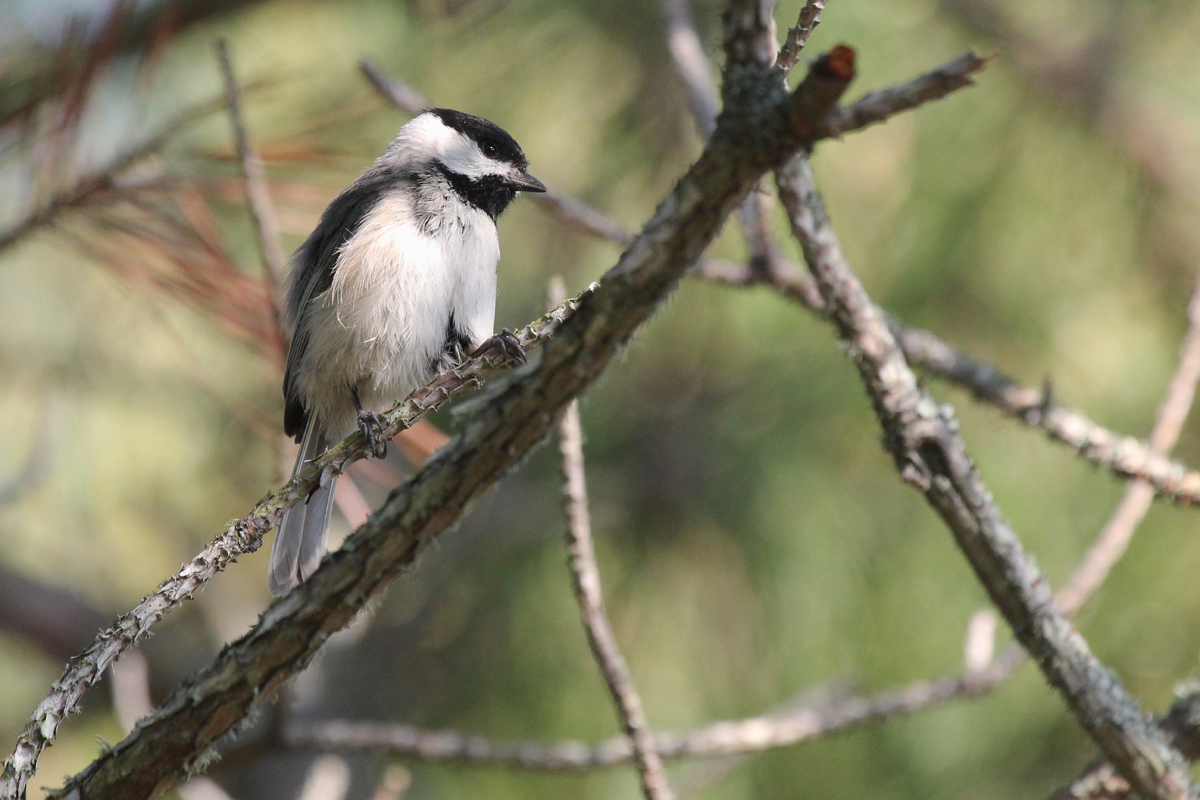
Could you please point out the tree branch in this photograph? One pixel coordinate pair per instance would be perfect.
(797, 36)
(875, 107)
(585, 579)
(922, 437)
(1114, 538)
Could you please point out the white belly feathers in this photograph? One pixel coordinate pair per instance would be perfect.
(384, 321)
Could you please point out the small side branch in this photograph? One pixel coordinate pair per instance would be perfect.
(879, 106)
(585, 577)
(797, 36)
(1121, 455)
(1114, 538)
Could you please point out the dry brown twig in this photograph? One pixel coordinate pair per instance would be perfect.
(585, 579)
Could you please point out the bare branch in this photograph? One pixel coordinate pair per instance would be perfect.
(878, 106)
(585, 578)
(258, 191)
(683, 42)
(580, 215)
(930, 455)
(518, 415)
(786, 727)
(1122, 455)
(396, 92)
(797, 36)
(694, 70)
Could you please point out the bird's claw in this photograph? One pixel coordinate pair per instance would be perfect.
(504, 349)
(372, 430)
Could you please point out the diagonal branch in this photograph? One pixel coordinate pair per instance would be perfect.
(585, 578)
(922, 437)
(1113, 540)
(879, 106)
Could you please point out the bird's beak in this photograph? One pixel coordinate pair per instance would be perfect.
(522, 181)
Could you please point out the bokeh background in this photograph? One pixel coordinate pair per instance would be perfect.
(755, 540)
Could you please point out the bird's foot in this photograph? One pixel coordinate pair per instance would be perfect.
(372, 430)
(502, 349)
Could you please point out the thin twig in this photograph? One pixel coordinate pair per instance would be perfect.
(797, 36)
(875, 107)
(258, 190)
(786, 727)
(683, 42)
(585, 578)
(930, 455)
(1114, 538)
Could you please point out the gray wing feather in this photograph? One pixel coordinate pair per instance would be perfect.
(313, 265)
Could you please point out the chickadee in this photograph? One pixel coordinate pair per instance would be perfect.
(397, 282)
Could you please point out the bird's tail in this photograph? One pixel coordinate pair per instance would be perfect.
(300, 540)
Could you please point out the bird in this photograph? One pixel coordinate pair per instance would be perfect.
(396, 283)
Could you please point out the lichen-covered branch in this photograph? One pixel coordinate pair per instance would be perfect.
(930, 455)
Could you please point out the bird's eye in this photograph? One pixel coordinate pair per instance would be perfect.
(490, 150)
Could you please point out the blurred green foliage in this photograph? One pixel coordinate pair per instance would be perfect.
(754, 537)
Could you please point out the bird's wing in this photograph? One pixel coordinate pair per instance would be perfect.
(313, 265)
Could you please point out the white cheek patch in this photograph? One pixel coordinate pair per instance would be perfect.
(464, 157)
